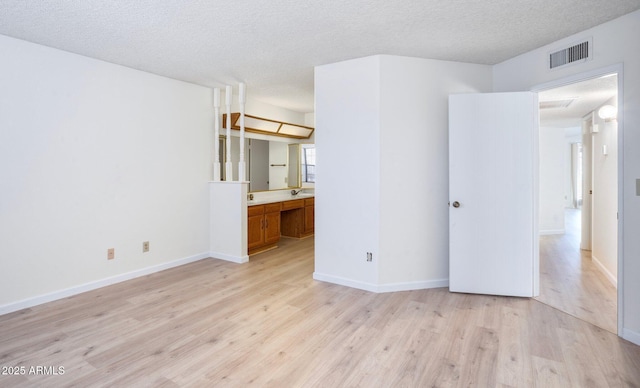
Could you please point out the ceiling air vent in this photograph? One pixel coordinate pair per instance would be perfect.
(577, 53)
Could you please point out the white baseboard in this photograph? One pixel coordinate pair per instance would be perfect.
(631, 336)
(418, 285)
(551, 231)
(344, 282)
(605, 271)
(234, 259)
(381, 288)
(67, 292)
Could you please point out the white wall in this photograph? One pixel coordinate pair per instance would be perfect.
(93, 156)
(228, 221)
(615, 42)
(552, 180)
(382, 186)
(604, 249)
(414, 165)
(347, 220)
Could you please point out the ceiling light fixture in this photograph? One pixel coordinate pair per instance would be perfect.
(270, 127)
(608, 112)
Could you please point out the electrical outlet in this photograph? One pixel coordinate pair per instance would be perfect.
(145, 246)
(111, 253)
(369, 256)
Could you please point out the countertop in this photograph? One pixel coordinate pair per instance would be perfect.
(278, 199)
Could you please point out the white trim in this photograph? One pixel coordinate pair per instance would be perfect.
(551, 231)
(381, 288)
(605, 271)
(631, 336)
(575, 78)
(418, 285)
(620, 274)
(619, 70)
(67, 292)
(345, 282)
(231, 258)
(535, 216)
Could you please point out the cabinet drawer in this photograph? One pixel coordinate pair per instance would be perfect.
(309, 201)
(272, 207)
(255, 210)
(295, 204)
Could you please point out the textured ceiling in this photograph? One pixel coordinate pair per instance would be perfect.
(274, 45)
(588, 95)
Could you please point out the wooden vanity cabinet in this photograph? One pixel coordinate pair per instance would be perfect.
(266, 223)
(255, 227)
(298, 219)
(292, 213)
(292, 204)
(272, 223)
(309, 220)
(263, 227)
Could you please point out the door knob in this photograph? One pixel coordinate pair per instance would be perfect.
(456, 204)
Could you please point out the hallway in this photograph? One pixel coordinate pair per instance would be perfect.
(571, 282)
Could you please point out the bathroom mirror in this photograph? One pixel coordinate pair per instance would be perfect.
(293, 167)
(271, 165)
(222, 152)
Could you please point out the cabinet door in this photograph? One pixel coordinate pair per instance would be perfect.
(255, 231)
(272, 227)
(309, 219)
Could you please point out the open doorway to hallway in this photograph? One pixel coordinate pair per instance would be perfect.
(578, 201)
(570, 280)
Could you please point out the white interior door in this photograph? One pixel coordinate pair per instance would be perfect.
(493, 192)
(587, 183)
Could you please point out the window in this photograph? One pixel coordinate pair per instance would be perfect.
(308, 163)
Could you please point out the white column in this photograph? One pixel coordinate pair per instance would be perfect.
(241, 165)
(228, 167)
(216, 134)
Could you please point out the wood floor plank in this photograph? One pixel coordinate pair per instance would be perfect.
(625, 374)
(570, 280)
(549, 373)
(575, 346)
(514, 357)
(267, 323)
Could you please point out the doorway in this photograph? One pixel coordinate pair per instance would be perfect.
(578, 199)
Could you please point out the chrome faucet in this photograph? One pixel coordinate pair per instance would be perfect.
(294, 192)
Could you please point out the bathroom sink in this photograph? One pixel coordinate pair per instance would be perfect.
(303, 195)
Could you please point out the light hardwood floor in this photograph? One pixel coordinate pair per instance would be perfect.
(268, 323)
(571, 282)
